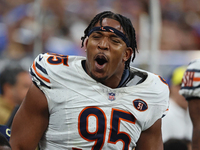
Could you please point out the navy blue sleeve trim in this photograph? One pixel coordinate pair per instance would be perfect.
(191, 98)
(41, 68)
(42, 83)
(192, 70)
(190, 87)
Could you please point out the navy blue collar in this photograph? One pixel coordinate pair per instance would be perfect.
(124, 77)
(111, 29)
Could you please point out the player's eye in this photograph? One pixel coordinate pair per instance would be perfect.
(115, 40)
(96, 35)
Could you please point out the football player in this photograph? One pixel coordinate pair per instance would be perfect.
(98, 102)
(190, 89)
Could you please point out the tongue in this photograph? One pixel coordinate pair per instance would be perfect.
(100, 66)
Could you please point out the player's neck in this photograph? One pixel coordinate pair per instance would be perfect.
(113, 81)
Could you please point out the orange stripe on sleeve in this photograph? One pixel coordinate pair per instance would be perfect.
(42, 77)
(196, 79)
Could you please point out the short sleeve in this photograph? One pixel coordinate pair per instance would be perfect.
(190, 87)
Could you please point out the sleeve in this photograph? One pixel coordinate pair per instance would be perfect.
(39, 72)
(163, 95)
(190, 87)
(159, 102)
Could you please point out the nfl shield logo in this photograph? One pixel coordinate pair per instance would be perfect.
(111, 96)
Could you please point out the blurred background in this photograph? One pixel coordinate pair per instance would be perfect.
(168, 31)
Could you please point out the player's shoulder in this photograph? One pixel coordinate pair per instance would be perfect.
(194, 64)
(149, 77)
(54, 59)
(151, 84)
(158, 84)
(190, 87)
(54, 62)
(48, 67)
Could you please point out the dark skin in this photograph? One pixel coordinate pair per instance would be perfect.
(34, 109)
(151, 138)
(194, 110)
(31, 121)
(113, 48)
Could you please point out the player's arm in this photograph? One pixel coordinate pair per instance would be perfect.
(151, 138)
(194, 109)
(31, 121)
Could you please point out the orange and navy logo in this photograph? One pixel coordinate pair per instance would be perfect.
(140, 104)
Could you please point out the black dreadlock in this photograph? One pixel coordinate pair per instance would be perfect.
(126, 25)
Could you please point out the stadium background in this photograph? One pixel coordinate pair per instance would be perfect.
(168, 31)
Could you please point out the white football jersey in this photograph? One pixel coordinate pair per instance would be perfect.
(190, 87)
(85, 114)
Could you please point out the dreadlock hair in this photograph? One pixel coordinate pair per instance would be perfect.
(126, 25)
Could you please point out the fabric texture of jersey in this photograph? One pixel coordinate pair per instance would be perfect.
(85, 113)
(190, 87)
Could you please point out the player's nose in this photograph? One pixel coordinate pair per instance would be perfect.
(103, 44)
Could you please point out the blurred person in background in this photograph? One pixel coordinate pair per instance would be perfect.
(57, 27)
(177, 144)
(177, 124)
(4, 138)
(14, 84)
(180, 21)
(190, 89)
(4, 143)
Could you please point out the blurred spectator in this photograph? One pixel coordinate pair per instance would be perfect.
(4, 144)
(182, 36)
(177, 123)
(69, 42)
(5, 130)
(56, 24)
(190, 89)
(14, 84)
(4, 138)
(177, 144)
(184, 17)
(19, 32)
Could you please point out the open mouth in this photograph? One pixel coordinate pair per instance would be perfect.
(100, 61)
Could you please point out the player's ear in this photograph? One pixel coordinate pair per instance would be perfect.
(86, 42)
(127, 54)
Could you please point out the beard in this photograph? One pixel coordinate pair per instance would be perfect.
(101, 80)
